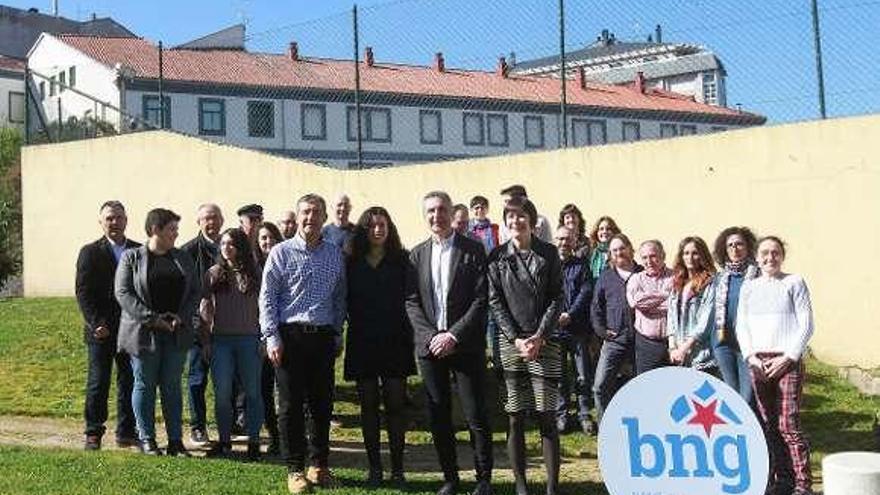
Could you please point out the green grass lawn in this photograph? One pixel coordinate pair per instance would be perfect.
(42, 373)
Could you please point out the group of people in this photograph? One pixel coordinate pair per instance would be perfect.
(564, 313)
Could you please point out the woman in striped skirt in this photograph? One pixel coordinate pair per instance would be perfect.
(525, 297)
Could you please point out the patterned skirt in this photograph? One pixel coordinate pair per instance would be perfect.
(532, 386)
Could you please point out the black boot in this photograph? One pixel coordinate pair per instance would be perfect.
(176, 449)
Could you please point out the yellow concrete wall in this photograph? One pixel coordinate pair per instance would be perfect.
(815, 184)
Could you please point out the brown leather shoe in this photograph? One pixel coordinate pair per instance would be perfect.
(321, 476)
(297, 483)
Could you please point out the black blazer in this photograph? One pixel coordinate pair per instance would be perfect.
(610, 309)
(204, 254)
(95, 270)
(466, 302)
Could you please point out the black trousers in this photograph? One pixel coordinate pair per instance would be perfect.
(267, 383)
(391, 392)
(101, 357)
(305, 378)
(469, 370)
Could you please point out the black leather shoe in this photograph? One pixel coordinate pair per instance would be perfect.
(176, 449)
(448, 488)
(253, 452)
(149, 447)
(219, 450)
(126, 442)
(93, 442)
(484, 487)
(375, 477)
(398, 480)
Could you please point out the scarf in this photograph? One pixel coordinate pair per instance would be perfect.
(745, 267)
(599, 259)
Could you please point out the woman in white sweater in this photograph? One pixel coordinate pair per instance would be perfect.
(774, 324)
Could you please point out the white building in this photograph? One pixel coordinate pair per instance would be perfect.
(12, 105)
(305, 107)
(683, 68)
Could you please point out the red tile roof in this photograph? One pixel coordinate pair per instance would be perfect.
(12, 64)
(280, 71)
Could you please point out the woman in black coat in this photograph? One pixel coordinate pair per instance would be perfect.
(379, 344)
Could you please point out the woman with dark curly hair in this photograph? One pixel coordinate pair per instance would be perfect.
(603, 230)
(229, 308)
(379, 346)
(735, 254)
(690, 306)
(571, 218)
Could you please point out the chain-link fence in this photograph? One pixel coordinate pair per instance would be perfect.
(416, 80)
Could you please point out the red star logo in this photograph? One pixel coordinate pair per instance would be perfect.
(706, 416)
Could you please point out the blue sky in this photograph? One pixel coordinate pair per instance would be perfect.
(766, 45)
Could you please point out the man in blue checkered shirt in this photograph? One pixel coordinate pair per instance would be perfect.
(302, 306)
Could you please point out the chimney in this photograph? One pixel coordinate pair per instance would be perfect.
(55, 8)
(639, 82)
(94, 16)
(293, 51)
(604, 36)
(368, 56)
(439, 62)
(658, 33)
(581, 78)
(502, 67)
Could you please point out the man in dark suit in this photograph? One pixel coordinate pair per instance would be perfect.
(447, 306)
(204, 249)
(95, 271)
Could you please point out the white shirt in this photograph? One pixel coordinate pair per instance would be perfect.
(441, 256)
(774, 315)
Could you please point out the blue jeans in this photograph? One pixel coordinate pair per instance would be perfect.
(575, 349)
(734, 370)
(197, 382)
(162, 368)
(237, 356)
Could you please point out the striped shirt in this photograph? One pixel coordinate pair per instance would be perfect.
(774, 315)
(302, 285)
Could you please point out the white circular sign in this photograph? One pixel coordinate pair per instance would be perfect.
(678, 431)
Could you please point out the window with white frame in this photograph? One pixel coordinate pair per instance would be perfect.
(496, 124)
(71, 76)
(687, 130)
(668, 130)
(62, 81)
(313, 117)
(16, 107)
(588, 132)
(430, 127)
(533, 129)
(473, 131)
(631, 131)
(710, 88)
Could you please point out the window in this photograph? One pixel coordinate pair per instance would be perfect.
(62, 81)
(668, 130)
(587, 132)
(716, 128)
(42, 90)
(375, 124)
(314, 122)
(710, 88)
(631, 131)
(430, 127)
(16, 107)
(52, 86)
(687, 130)
(71, 76)
(212, 117)
(261, 119)
(497, 126)
(152, 113)
(534, 131)
(473, 130)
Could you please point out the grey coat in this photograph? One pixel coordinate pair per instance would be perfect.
(136, 332)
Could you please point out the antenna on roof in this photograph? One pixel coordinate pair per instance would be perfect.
(55, 8)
